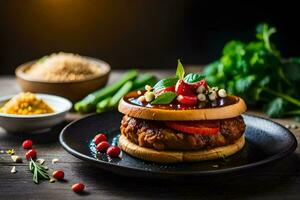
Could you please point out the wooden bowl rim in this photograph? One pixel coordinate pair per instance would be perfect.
(19, 72)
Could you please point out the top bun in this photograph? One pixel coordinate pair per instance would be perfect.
(222, 112)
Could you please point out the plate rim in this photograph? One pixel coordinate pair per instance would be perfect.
(268, 160)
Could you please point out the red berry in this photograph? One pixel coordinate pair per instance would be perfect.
(99, 138)
(58, 174)
(183, 88)
(27, 144)
(78, 187)
(187, 100)
(113, 151)
(102, 146)
(30, 154)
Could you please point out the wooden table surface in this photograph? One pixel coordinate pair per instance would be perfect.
(281, 180)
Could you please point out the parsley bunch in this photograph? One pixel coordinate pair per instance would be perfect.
(257, 72)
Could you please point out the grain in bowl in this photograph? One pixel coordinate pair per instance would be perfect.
(63, 67)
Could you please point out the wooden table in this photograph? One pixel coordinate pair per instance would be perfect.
(278, 181)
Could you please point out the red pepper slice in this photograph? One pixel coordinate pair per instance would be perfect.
(187, 100)
(164, 90)
(200, 83)
(193, 127)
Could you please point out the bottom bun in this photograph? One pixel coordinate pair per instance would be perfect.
(179, 156)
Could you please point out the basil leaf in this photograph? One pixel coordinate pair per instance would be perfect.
(164, 98)
(192, 78)
(180, 70)
(164, 83)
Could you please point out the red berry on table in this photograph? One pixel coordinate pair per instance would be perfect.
(78, 187)
(27, 144)
(113, 151)
(30, 154)
(58, 174)
(102, 146)
(99, 138)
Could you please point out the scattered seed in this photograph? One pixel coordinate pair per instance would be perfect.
(148, 87)
(294, 126)
(215, 166)
(40, 160)
(13, 170)
(139, 92)
(10, 151)
(55, 160)
(52, 180)
(16, 159)
(287, 126)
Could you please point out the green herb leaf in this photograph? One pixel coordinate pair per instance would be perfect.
(233, 48)
(180, 70)
(164, 83)
(276, 107)
(292, 69)
(297, 119)
(164, 98)
(256, 72)
(245, 83)
(211, 69)
(192, 78)
(264, 33)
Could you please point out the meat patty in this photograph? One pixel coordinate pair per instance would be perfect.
(154, 134)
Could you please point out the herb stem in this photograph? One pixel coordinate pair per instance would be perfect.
(292, 112)
(283, 96)
(38, 170)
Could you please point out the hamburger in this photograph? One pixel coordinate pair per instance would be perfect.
(181, 119)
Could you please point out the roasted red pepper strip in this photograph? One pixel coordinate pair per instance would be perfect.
(193, 128)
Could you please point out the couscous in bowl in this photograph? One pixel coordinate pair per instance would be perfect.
(73, 90)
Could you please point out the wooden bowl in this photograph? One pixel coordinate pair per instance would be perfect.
(72, 90)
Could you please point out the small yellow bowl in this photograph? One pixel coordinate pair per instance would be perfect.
(72, 90)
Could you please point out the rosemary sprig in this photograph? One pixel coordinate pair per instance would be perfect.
(39, 171)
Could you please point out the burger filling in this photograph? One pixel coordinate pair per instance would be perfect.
(182, 135)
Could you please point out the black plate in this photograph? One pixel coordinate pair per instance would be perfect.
(266, 141)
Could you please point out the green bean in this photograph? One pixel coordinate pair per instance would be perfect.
(102, 106)
(142, 80)
(90, 101)
(122, 91)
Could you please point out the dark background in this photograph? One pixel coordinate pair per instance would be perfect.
(138, 33)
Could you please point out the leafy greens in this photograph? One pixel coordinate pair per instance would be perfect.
(257, 72)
